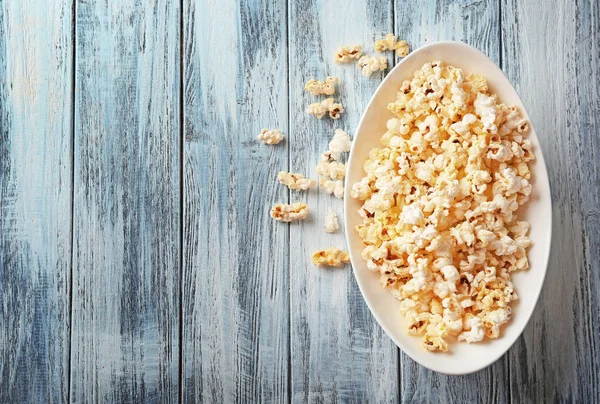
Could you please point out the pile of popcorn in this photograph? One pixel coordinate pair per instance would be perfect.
(440, 196)
(331, 170)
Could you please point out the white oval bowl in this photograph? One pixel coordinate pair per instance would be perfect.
(463, 358)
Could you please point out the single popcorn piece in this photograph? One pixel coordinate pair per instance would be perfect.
(390, 43)
(402, 49)
(340, 143)
(270, 136)
(332, 257)
(295, 181)
(435, 343)
(327, 87)
(361, 190)
(370, 64)
(319, 109)
(347, 53)
(333, 187)
(289, 213)
(332, 169)
(475, 333)
(439, 205)
(335, 109)
(331, 221)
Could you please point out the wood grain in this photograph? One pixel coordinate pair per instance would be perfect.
(551, 54)
(235, 272)
(35, 200)
(259, 322)
(475, 23)
(338, 352)
(125, 337)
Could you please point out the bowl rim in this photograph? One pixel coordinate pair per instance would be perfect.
(347, 200)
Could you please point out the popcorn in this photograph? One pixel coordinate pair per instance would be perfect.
(340, 143)
(327, 87)
(440, 196)
(361, 190)
(451, 274)
(475, 331)
(332, 169)
(270, 136)
(332, 257)
(402, 49)
(485, 108)
(333, 187)
(411, 214)
(346, 53)
(331, 221)
(493, 320)
(289, 213)
(390, 43)
(370, 64)
(319, 109)
(295, 181)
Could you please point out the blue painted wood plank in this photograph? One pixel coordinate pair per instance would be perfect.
(35, 199)
(551, 54)
(338, 351)
(125, 337)
(476, 23)
(235, 273)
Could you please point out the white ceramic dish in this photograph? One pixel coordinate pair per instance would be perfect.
(463, 358)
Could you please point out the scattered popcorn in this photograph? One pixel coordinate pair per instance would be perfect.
(319, 109)
(371, 64)
(332, 169)
(340, 143)
(346, 53)
(440, 197)
(332, 257)
(327, 87)
(333, 187)
(270, 136)
(331, 222)
(390, 43)
(289, 213)
(295, 181)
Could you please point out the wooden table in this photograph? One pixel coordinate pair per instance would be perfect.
(138, 261)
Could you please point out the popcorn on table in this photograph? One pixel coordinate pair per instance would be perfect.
(327, 87)
(390, 43)
(333, 169)
(270, 136)
(347, 53)
(332, 257)
(295, 181)
(440, 196)
(319, 109)
(289, 213)
(371, 64)
(331, 222)
(335, 187)
(340, 143)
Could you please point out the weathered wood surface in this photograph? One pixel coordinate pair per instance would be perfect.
(164, 170)
(551, 54)
(338, 352)
(236, 259)
(126, 207)
(35, 200)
